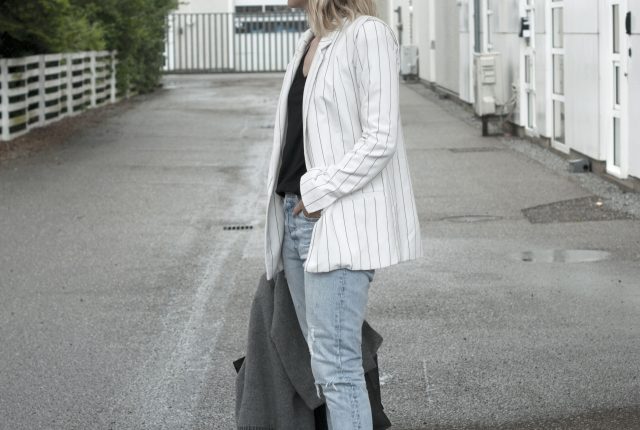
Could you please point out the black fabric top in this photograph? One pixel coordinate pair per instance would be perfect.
(292, 165)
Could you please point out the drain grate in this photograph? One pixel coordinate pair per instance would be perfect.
(590, 208)
(477, 149)
(237, 227)
(562, 256)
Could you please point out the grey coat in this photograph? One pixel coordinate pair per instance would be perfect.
(275, 386)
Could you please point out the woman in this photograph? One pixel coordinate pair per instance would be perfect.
(340, 202)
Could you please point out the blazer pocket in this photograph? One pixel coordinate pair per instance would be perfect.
(366, 206)
(376, 231)
(366, 227)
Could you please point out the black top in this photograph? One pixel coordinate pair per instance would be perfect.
(292, 165)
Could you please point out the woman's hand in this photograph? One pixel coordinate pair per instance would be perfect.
(300, 208)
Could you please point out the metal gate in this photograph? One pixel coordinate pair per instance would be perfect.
(231, 42)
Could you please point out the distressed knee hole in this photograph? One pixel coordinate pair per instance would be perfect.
(310, 339)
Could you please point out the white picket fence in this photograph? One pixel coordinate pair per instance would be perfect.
(41, 89)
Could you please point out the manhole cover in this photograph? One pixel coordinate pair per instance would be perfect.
(562, 256)
(471, 218)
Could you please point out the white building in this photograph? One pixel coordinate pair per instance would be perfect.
(218, 6)
(576, 78)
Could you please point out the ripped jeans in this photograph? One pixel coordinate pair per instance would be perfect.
(331, 307)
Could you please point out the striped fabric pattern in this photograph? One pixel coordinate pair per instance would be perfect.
(357, 169)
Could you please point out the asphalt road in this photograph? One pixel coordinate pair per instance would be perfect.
(124, 300)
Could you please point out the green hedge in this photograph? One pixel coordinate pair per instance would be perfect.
(134, 28)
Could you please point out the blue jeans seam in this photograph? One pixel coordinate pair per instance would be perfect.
(340, 381)
(339, 317)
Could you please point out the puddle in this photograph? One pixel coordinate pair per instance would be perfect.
(562, 256)
(471, 218)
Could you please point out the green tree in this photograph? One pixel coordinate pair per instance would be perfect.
(29, 27)
(134, 28)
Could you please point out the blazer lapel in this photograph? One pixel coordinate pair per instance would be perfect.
(310, 82)
(281, 110)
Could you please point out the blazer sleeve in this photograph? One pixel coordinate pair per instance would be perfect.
(376, 63)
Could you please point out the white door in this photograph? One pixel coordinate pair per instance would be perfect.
(432, 40)
(528, 69)
(555, 75)
(615, 88)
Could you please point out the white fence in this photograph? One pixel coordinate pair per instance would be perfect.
(231, 42)
(41, 89)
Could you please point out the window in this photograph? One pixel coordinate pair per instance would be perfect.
(274, 8)
(477, 37)
(248, 9)
(489, 28)
(616, 28)
(289, 22)
(558, 74)
(531, 109)
(616, 141)
(558, 121)
(556, 107)
(616, 85)
(557, 27)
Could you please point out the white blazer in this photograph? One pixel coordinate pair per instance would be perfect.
(357, 170)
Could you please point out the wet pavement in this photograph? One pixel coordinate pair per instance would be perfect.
(131, 251)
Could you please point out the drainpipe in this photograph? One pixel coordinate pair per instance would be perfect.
(410, 22)
(398, 10)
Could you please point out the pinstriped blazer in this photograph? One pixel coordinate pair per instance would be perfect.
(357, 170)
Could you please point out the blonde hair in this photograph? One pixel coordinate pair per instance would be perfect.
(326, 15)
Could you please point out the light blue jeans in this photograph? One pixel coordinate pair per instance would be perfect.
(331, 307)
